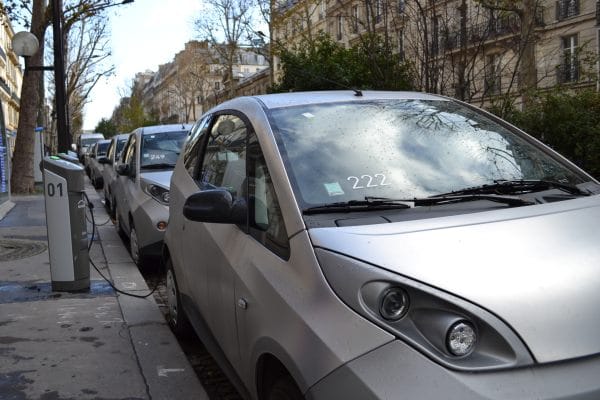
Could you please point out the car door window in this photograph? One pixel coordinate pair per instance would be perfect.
(224, 163)
(191, 152)
(265, 218)
(130, 155)
(111, 150)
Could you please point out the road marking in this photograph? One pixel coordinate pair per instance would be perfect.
(166, 371)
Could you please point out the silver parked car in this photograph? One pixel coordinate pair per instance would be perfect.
(96, 161)
(109, 173)
(383, 245)
(141, 191)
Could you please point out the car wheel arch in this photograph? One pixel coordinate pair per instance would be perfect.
(270, 368)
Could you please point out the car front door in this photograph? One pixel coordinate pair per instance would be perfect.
(218, 245)
(126, 183)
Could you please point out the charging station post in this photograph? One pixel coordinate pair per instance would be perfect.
(65, 218)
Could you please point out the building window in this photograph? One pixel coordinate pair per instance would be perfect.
(401, 45)
(568, 71)
(378, 11)
(492, 75)
(339, 27)
(355, 18)
(566, 9)
(401, 6)
(435, 35)
(217, 85)
(322, 9)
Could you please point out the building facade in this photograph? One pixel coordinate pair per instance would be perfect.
(11, 79)
(180, 90)
(478, 51)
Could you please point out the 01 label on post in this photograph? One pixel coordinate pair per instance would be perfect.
(59, 227)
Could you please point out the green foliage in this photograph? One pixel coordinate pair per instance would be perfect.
(133, 116)
(323, 64)
(569, 122)
(107, 127)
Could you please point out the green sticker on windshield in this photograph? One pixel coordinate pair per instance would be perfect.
(333, 189)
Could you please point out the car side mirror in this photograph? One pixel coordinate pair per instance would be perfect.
(216, 206)
(123, 169)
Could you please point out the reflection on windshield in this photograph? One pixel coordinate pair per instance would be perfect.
(402, 149)
(161, 149)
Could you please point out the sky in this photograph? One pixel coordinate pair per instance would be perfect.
(144, 34)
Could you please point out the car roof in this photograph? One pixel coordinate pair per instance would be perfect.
(91, 135)
(146, 130)
(331, 96)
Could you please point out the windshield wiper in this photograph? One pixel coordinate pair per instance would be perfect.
(158, 166)
(511, 201)
(384, 203)
(369, 203)
(504, 187)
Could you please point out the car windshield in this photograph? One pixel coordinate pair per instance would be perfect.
(102, 148)
(403, 149)
(90, 141)
(161, 149)
(120, 145)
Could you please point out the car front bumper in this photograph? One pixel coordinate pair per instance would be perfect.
(145, 219)
(396, 371)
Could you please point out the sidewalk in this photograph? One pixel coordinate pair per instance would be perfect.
(92, 345)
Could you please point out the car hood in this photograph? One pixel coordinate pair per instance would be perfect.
(536, 267)
(162, 178)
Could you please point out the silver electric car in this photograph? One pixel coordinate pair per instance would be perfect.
(97, 160)
(140, 199)
(384, 245)
(109, 173)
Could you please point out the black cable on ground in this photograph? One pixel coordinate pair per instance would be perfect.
(90, 207)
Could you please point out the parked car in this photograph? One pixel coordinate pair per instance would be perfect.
(383, 245)
(87, 159)
(85, 141)
(109, 173)
(141, 191)
(97, 159)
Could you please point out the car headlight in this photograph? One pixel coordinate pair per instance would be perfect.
(448, 329)
(461, 338)
(158, 193)
(393, 304)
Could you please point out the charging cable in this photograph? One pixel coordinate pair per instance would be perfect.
(90, 206)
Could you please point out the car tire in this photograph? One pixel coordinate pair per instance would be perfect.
(139, 258)
(176, 317)
(284, 388)
(118, 223)
(111, 210)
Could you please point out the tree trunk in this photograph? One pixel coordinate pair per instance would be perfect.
(22, 180)
(527, 68)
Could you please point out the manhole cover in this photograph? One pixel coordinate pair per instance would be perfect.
(16, 249)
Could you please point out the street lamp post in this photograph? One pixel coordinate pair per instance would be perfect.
(63, 128)
(26, 44)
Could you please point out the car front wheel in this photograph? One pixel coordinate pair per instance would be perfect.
(284, 388)
(176, 317)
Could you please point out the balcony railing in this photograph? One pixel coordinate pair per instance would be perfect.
(568, 72)
(4, 85)
(480, 33)
(566, 9)
(492, 85)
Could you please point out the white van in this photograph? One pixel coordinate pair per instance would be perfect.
(84, 141)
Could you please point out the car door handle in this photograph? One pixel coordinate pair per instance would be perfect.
(242, 303)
